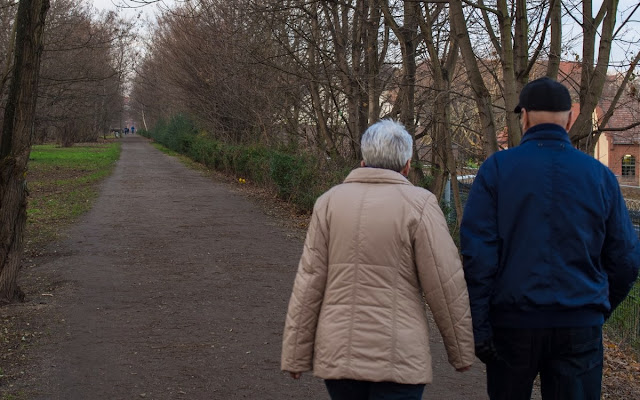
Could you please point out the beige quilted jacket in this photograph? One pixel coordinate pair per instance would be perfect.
(374, 246)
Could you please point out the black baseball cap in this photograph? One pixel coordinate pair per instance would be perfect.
(544, 94)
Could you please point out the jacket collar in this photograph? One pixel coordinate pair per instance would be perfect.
(546, 131)
(376, 175)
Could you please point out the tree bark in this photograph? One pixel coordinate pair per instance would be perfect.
(508, 62)
(15, 143)
(9, 51)
(556, 39)
(372, 64)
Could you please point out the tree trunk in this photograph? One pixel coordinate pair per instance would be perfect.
(481, 93)
(328, 144)
(15, 144)
(407, 35)
(507, 60)
(372, 66)
(556, 39)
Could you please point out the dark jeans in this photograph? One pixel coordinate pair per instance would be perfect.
(347, 389)
(569, 361)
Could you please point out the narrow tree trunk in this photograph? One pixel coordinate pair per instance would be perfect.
(372, 68)
(15, 144)
(407, 35)
(507, 60)
(556, 39)
(442, 146)
(328, 145)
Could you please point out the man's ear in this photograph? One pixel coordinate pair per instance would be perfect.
(524, 120)
(569, 121)
(362, 164)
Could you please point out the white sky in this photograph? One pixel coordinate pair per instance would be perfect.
(131, 8)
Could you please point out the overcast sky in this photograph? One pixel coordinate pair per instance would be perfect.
(131, 8)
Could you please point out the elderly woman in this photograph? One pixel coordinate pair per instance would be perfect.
(376, 245)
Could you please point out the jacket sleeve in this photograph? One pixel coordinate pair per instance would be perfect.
(621, 250)
(442, 281)
(306, 298)
(480, 247)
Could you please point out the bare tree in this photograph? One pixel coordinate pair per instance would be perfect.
(408, 37)
(83, 73)
(593, 74)
(443, 58)
(15, 143)
(482, 95)
(338, 66)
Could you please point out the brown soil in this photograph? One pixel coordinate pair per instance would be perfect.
(174, 286)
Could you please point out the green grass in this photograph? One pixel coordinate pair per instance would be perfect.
(89, 157)
(62, 185)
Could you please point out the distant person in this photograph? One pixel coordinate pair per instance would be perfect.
(126, 131)
(133, 129)
(375, 245)
(549, 252)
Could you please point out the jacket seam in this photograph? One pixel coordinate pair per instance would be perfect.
(394, 338)
(453, 325)
(302, 302)
(355, 277)
(424, 205)
(413, 235)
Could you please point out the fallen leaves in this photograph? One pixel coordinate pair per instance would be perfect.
(621, 373)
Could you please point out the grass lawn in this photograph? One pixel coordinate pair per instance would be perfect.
(62, 184)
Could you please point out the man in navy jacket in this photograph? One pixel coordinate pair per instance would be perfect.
(549, 251)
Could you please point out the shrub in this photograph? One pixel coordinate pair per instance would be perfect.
(297, 178)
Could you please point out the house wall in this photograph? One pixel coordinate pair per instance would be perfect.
(601, 151)
(616, 152)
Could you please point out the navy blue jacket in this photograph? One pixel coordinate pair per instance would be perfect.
(546, 238)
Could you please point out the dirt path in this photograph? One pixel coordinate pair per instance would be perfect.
(175, 287)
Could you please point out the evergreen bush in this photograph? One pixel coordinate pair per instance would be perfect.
(297, 178)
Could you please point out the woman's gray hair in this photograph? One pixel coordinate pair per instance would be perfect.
(386, 144)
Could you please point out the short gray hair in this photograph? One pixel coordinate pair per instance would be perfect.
(386, 144)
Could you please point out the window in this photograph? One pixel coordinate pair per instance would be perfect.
(628, 165)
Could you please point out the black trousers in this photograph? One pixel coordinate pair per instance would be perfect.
(569, 361)
(348, 389)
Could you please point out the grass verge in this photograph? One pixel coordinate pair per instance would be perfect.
(62, 184)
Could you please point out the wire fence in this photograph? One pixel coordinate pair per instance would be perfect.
(624, 323)
(625, 320)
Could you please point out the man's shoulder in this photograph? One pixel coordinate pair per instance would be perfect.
(583, 161)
